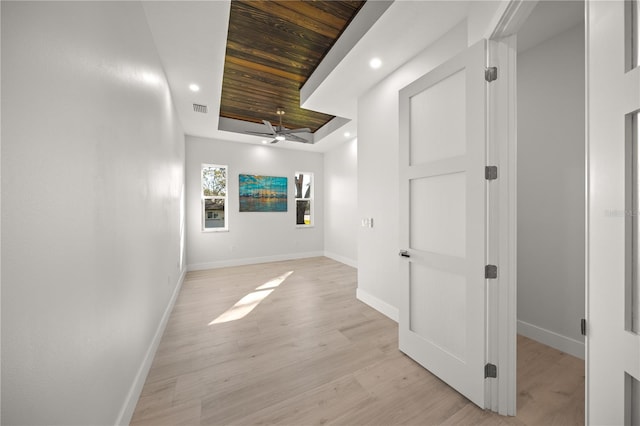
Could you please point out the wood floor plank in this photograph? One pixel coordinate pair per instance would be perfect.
(314, 407)
(311, 353)
(187, 413)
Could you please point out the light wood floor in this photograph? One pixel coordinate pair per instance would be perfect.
(310, 353)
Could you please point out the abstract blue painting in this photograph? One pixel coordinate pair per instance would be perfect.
(263, 193)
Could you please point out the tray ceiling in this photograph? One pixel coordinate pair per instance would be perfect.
(272, 48)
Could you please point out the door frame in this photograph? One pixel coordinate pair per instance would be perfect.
(502, 127)
(501, 394)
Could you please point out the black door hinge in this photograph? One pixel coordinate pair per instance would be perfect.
(491, 172)
(491, 271)
(491, 74)
(490, 370)
(583, 327)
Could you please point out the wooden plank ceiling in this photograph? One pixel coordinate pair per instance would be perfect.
(273, 46)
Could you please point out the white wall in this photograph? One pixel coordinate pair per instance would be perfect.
(252, 237)
(378, 133)
(551, 193)
(92, 175)
(341, 203)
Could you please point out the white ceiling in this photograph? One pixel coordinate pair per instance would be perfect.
(190, 37)
(405, 29)
(191, 41)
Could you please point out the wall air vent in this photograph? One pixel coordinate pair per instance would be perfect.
(200, 108)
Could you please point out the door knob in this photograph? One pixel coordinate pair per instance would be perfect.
(404, 253)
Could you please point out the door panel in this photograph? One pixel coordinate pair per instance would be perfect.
(438, 308)
(442, 213)
(438, 112)
(438, 214)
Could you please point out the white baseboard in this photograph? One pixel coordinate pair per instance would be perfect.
(377, 304)
(129, 406)
(550, 338)
(341, 259)
(253, 260)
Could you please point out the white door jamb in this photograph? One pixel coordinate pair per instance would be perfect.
(502, 207)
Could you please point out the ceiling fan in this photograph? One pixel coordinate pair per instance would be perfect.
(280, 133)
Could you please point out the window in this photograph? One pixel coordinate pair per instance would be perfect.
(214, 197)
(632, 218)
(304, 198)
(632, 36)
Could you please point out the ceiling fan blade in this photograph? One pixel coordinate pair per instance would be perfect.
(289, 131)
(269, 126)
(297, 139)
(259, 133)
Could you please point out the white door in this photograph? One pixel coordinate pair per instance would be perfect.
(613, 311)
(442, 222)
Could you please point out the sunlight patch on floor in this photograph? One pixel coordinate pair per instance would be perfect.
(248, 303)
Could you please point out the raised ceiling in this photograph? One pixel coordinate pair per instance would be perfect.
(191, 38)
(272, 48)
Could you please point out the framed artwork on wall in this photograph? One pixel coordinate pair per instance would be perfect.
(263, 193)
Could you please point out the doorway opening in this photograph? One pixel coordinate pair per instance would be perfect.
(551, 211)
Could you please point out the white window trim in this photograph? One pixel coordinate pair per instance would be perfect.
(214, 197)
(311, 200)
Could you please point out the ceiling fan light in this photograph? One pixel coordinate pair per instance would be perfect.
(280, 138)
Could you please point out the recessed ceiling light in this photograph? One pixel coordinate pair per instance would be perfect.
(375, 63)
(264, 142)
(194, 87)
(347, 134)
(280, 138)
